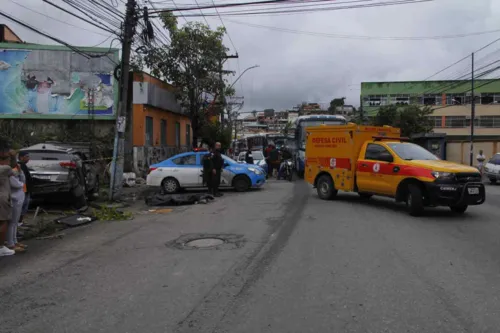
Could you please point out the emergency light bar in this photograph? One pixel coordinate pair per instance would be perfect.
(380, 138)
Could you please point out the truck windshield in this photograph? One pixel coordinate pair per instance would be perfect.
(410, 151)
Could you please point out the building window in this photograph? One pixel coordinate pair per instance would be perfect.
(149, 131)
(399, 99)
(377, 100)
(177, 134)
(437, 121)
(431, 99)
(188, 135)
(163, 132)
(488, 121)
(455, 99)
(456, 122)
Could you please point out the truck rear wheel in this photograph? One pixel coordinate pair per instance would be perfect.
(325, 187)
(414, 200)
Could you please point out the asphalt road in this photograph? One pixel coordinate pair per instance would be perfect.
(305, 265)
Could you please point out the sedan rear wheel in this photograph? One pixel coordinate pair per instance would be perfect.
(170, 185)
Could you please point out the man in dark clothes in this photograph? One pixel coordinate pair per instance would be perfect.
(24, 158)
(218, 164)
(248, 156)
(208, 177)
(273, 161)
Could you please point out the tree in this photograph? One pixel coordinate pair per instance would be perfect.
(286, 130)
(334, 104)
(192, 63)
(411, 119)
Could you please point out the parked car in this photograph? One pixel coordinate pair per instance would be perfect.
(492, 168)
(59, 170)
(258, 159)
(185, 171)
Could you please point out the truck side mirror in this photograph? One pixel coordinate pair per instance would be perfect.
(385, 157)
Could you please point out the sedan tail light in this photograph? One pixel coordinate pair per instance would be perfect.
(151, 169)
(68, 165)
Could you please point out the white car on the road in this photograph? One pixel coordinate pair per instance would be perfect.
(186, 171)
(258, 158)
(492, 168)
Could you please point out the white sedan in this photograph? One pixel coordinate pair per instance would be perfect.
(185, 171)
(492, 168)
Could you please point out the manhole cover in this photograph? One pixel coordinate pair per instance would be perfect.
(205, 242)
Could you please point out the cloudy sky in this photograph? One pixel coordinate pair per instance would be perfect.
(297, 66)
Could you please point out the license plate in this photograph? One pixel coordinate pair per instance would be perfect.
(45, 177)
(473, 190)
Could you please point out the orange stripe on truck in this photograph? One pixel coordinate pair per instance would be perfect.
(388, 169)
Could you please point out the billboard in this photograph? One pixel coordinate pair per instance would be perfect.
(55, 82)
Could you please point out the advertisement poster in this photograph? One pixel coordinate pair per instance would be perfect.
(53, 83)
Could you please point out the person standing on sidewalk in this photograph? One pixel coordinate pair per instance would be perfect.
(208, 168)
(5, 200)
(24, 158)
(218, 164)
(17, 188)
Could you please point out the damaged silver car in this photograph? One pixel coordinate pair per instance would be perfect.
(60, 170)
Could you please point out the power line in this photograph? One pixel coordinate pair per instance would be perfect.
(85, 10)
(57, 20)
(285, 11)
(81, 18)
(75, 49)
(344, 36)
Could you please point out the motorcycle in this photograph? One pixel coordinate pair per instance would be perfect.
(288, 169)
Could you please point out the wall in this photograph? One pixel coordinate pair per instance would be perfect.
(428, 87)
(52, 82)
(458, 151)
(140, 112)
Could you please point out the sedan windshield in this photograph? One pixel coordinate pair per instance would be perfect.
(410, 151)
(229, 159)
(257, 155)
(495, 159)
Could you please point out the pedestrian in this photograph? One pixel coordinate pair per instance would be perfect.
(208, 169)
(274, 161)
(17, 189)
(218, 164)
(248, 156)
(24, 158)
(480, 161)
(5, 200)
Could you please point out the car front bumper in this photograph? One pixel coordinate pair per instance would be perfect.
(455, 194)
(492, 175)
(258, 180)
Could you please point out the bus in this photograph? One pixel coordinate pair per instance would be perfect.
(300, 135)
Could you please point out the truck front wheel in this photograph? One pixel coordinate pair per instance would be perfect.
(325, 187)
(414, 200)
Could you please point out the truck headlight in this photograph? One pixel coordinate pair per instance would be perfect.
(256, 171)
(442, 175)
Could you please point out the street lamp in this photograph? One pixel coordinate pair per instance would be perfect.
(249, 68)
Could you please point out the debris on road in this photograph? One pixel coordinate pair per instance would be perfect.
(75, 220)
(159, 199)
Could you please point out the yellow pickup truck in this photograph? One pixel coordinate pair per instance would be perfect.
(377, 161)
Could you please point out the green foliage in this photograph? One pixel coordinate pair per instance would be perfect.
(192, 62)
(335, 103)
(288, 127)
(111, 214)
(212, 133)
(411, 119)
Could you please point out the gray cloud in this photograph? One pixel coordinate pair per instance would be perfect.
(296, 68)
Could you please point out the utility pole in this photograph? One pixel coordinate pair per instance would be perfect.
(119, 145)
(222, 96)
(472, 116)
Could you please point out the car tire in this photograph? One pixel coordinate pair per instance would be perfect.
(414, 200)
(365, 196)
(493, 181)
(170, 185)
(459, 209)
(241, 184)
(326, 188)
